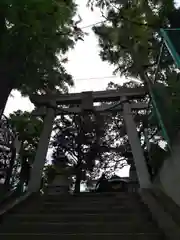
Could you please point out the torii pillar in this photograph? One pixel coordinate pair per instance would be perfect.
(138, 156)
(40, 158)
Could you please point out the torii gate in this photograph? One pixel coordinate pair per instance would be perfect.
(86, 102)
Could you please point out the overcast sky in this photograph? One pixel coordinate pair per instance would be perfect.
(177, 3)
(84, 64)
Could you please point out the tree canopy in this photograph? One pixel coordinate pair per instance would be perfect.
(28, 128)
(130, 40)
(78, 139)
(35, 35)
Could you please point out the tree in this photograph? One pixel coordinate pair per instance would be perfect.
(78, 139)
(149, 132)
(130, 40)
(16, 165)
(28, 128)
(104, 147)
(35, 35)
(7, 153)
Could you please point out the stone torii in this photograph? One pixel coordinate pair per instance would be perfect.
(48, 106)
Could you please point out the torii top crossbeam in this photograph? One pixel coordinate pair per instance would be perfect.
(98, 96)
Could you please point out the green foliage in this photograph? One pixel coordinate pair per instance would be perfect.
(76, 145)
(149, 131)
(73, 140)
(100, 3)
(130, 41)
(130, 38)
(35, 35)
(28, 129)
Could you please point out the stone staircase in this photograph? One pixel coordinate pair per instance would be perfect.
(85, 216)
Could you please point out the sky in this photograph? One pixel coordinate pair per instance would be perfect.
(177, 3)
(84, 64)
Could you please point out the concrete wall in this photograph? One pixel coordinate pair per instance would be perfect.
(169, 176)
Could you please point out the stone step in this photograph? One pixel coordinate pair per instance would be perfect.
(79, 210)
(39, 206)
(115, 202)
(94, 206)
(92, 196)
(94, 203)
(85, 206)
(93, 209)
(106, 217)
(89, 211)
(83, 227)
(78, 204)
(42, 236)
(28, 205)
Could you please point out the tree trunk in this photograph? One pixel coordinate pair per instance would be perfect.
(78, 181)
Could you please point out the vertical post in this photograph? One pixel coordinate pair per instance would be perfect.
(87, 102)
(36, 171)
(86, 110)
(141, 167)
